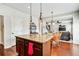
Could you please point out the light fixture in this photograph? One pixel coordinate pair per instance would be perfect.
(28, 7)
(53, 23)
(41, 21)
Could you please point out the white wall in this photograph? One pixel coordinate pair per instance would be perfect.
(14, 22)
(76, 28)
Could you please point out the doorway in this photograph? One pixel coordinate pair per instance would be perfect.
(66, 27)
(1, 35)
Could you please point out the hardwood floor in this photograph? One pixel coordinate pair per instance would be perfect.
(10, 51)
(65, 49)
(1, 50)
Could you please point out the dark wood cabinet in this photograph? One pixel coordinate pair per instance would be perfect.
(26, 48)
(37, 52)
(20, 47)
(39, 49)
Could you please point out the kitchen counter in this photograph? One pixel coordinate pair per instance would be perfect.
(36, 37)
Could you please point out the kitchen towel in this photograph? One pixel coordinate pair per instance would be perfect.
(30, 49)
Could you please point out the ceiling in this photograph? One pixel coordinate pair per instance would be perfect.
(57, 8)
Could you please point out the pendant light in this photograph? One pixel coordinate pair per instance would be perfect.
(41, 21)
(52, 21)
(32, 24)
(30, 16)
(30, 12)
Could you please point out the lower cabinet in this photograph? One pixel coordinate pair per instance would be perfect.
(22, 48)
(39, 49)
(26, 48)
(37, 52)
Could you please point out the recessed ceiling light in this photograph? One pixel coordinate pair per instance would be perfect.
(28, 6)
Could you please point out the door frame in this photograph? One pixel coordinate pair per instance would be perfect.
(2, 29)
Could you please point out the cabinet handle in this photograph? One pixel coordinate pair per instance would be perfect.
(37, 48)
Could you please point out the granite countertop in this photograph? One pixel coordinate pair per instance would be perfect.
(36, 37)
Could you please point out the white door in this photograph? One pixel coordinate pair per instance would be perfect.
(7, 32)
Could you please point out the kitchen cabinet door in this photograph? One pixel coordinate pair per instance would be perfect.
(20, 47)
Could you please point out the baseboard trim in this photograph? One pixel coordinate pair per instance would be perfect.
(66, 41)
(9, 46)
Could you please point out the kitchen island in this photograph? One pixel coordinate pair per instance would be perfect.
(33, 45)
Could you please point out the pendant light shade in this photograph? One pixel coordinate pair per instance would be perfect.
(32, 24)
